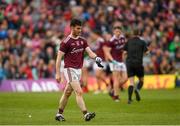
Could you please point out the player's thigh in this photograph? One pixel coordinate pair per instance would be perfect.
(98, 72)
(76, 87)
(115, 75)
(130, 70)
(140, 71)
(123, 72)
(123, 75)
(72, 74)
(131, 80)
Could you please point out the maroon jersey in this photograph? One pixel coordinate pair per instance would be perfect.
(116, 45)
(97, 47)
(74, 51)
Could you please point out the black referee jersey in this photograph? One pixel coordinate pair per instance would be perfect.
(135, 48)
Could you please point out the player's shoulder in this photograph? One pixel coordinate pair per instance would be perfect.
(122, 36)
(82, 38)
(66, 39)
(100, 39)
(142, 40)
(112, 39)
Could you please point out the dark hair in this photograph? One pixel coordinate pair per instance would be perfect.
(117, 27)
(98, 32)
(76, 22)
(136, 32)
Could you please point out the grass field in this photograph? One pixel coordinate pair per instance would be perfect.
(157, 107)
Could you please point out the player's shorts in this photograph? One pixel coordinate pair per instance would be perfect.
(88, 62)
(72, 74)
(95, 66)
(135, 70)
(120, 66)
(62, 66)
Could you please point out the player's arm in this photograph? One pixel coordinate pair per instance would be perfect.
(107, 53)
(91, 53)
(58, 65)
(147, 48)
(125, 49)
(94, 56)
(124, 55)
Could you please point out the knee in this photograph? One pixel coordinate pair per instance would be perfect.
(67, 93)
(79, 93)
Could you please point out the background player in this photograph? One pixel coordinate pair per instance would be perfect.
(97, 45)
(114, 52)
(135, 48)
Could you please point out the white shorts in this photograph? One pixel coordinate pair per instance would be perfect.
(72, 74)
(95, 66)
(62, 66)
(88, 62)
(120, 66)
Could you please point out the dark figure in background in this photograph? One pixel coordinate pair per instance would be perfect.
(135, 49)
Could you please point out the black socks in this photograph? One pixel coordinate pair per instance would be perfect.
(139, 85)
(130, 91)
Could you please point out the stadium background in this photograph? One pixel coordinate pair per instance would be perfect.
(31, 30)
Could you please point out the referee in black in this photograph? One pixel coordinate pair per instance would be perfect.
(134, 50)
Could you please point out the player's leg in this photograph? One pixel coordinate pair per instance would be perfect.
(80, 101)
(101, 79)
(123, 75)
(138, 87)
(130, 89)
(140, 74)
(78, 92)
(130, 71)
(116, 76)
(75, 76)
(140, 83)
(85, 75)
(63, 102)
(98, 73)
(64, 98)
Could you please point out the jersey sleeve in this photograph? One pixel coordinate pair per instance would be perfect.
(63, 47)
(85, 44)
(109, 44)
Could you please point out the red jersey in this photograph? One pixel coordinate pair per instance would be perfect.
(74, 51)
(97, 47)
(116, 45)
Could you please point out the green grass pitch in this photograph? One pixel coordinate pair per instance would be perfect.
(157, 107)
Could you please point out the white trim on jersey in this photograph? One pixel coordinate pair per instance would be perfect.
(66, 39)
(114, 37)
(71, 36)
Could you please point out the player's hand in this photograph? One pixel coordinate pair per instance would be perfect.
(99, 61)
(58, 78)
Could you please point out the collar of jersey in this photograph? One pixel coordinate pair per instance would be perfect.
(73, 37)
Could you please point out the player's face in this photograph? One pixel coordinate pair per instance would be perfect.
(77, 30)
(117, 31)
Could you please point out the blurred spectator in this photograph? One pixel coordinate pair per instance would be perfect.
(31, 30)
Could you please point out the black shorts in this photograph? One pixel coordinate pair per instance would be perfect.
(135, 70)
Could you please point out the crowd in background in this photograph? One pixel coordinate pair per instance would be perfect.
(31, 30)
